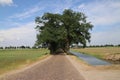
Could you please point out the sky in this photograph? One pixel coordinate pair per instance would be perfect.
(17, 19)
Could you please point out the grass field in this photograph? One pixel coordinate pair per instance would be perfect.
(99, 52)
(12, 59)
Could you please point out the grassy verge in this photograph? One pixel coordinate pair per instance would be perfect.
(13, 59)
(99, 52)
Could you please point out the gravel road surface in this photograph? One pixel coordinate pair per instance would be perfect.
(58, 67)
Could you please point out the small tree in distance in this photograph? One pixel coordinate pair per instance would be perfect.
(59, 31)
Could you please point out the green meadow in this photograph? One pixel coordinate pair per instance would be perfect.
(13, 59)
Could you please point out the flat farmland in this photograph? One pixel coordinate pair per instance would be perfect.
(108, 53)
(13, 59)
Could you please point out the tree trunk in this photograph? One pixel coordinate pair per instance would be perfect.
(67, 46)
(68, 40)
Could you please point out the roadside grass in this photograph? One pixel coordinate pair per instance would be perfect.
(13, 59)
(99, 52)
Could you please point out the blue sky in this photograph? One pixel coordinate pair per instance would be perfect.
(17, 19)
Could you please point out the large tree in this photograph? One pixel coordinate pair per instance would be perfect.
(59, 31)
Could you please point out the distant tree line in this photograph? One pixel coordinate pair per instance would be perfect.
(16, 47)
(23, 47)
(106, 45)
(45, 46)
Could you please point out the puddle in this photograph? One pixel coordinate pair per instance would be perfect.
(90, 59)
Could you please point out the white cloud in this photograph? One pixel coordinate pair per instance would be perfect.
(6, 2)
(106, 37)
(27, 13)
(104, 15)
(22, 35)
(1, 38)
(10, 22)
(102, 12)
(65, 5)
(81, 6)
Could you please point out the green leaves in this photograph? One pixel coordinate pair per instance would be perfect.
(62, 30)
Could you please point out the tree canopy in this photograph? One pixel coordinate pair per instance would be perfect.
(59, 31)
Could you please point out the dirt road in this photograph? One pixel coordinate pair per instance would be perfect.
(58, 67)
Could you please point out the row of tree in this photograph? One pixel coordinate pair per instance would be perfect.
(23, 47)
(18, 47)
(72, 46)
(106, 45)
